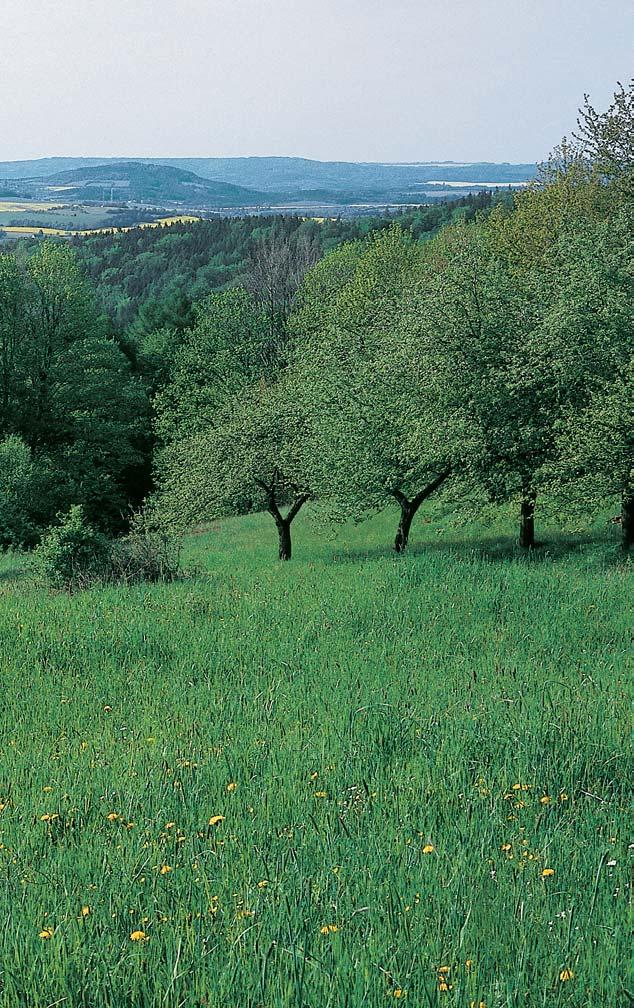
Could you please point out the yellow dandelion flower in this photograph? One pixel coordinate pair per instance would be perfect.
(563, 796)
(320, 794)
(138, 936)
(329, 929)
(47, 789)
(398, 992)
(215, 819)
(505, 847)
(428, 848)
(170, 825)
(547, 872)
(468, 964)
(84, 912)
(545, 800)
(444, 969)
(517, 787)
(113, 816)
(231, 786)
(165, 869)
(47, 932)
(443, 986)
(263, 884)
(566, 974)
(477, 1004)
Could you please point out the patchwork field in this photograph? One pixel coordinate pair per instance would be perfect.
(28, 218)
(348, 780)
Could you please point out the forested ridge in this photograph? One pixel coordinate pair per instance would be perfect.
(482, 350)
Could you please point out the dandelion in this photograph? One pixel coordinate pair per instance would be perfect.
(428, 848)
(46, 933)
(113, 816)
(468, 964)
(563, 796)
(170, 825)
(398, 992)
(84, 912)
(329, 929)
(47, 789)
(545, 800)
(263, 884)
(548, 872)
(566, 974)
(505, 847)
(477, 1004)
(443, 986)
(320, 794)
(215, 819)
(165, 869)
(138, 936)
(231, 786)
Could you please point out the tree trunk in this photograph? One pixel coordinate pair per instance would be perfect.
(527, 521)
(627, 521)
(284, 532)
(402, 533)
(410, 507)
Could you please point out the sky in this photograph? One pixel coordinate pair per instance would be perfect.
(349, 80)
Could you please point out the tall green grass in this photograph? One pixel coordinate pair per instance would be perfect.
(399, 749)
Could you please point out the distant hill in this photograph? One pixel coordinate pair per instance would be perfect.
(277, 178)
(140, 183)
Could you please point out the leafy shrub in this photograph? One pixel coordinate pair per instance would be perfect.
(72, 554)
(151, 551)
(16, 478)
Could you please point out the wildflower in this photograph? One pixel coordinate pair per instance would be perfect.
(263, 884)
(443, 970)
(215, 819)
(231, 786)
(314, 775)
(468, 964)
(428, 848)
(505, 847)
(47, 932)
(398, 992)
(547, 872)
(47, 789)
(138, 936)
(545, 800)
(113, 816)
(84, 912)
(49, 816)
(566, 974)
(107, 708)
(443, 985)
(563, 796)
(170, 825)
(165, 869)
(477, 1004)
(320, 794)
(329, 929)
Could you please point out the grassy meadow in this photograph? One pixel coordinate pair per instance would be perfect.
(351, 780)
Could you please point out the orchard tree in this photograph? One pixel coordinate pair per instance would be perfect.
(247, 460)
(360, 389)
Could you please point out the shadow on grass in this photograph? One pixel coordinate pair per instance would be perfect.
(496, 549)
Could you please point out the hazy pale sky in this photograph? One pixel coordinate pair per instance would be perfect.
(380, 80)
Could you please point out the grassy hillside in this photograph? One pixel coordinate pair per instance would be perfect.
(349, 780)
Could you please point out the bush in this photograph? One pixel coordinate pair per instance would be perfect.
(150, 552)
(72, 554)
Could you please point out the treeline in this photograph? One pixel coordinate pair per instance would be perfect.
(481, 350)
(77, 383)
(494, 362)
(143, 277)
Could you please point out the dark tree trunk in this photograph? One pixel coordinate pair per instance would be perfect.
(283, 524)
(284, 532)
(404, 525)
(410, 507)
(527, 521)
(627, 521)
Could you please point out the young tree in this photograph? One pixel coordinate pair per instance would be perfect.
(360, 389)
(247, 460)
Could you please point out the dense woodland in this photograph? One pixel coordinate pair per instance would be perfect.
(483, 351)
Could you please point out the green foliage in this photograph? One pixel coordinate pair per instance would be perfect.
(72, 554)
(150, 551)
